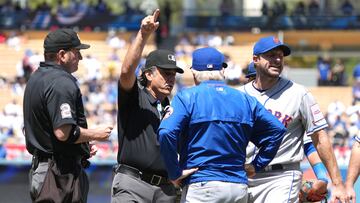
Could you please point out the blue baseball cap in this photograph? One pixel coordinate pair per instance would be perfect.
(251, 72)
(266, 44)
(208, 59)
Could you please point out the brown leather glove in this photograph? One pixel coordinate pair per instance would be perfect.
(313, 191)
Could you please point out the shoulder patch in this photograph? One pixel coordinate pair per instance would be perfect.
(65, 110)
(316, 113)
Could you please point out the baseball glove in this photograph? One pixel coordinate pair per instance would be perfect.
(309, 193)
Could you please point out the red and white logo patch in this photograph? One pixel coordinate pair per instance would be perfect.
(316, 113)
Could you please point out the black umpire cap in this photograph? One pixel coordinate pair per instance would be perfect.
(163, 59)
(63, 39)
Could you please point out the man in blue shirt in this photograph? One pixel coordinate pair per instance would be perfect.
(210, 126)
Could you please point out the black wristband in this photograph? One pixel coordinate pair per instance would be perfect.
(73, 135)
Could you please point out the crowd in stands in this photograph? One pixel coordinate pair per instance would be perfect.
(103, 14)
(305, 13)
(306, 8)
(54, 13)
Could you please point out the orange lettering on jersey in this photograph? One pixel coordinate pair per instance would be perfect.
(283, 119)
(287, 119)
(277, 114)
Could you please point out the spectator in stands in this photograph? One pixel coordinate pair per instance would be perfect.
(15, 40)
(338, 74)
(299, 15)
(276, 12)
(356, 84)
(129, 11)
(214, 40)
(339, 132)
(183, 39)
(229, 40)
(167, 14)
(233, 72)
(299, 9)
(314, 8)
(112, 63)
(227, 8)
(114, 41)
(324, 71)
(265, 9)
(276, 9)
(93, 67)
(335, 108)
(2, 37)
(347, 8)
(101, 7)
(25, 64)
(354, 125)
(356, 92)
(148, 6)
(201, 39)
(356, 72)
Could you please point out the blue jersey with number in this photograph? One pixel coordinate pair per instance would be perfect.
(210, 126)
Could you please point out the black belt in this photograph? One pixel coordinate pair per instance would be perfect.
(150, 178)
(43, 158)
(274, 167)
(279, 167)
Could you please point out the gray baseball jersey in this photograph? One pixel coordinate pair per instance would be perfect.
(297, 109)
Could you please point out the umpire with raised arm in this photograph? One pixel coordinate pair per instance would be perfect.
(55, 125)
(140, 175)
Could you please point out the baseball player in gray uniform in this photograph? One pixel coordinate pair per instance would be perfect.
(297, 109)
(311, 190)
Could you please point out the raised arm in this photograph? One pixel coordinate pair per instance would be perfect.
(127, 74)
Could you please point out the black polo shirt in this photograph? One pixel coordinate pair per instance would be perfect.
(51, 99)
(138, 121)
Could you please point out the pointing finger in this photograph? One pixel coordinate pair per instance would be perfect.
(156, 14)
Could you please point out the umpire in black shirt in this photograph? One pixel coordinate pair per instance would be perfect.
(55, 124)
(140, 175)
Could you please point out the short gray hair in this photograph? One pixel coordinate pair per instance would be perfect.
(201, 76)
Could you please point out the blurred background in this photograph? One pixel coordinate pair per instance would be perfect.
(323, 34)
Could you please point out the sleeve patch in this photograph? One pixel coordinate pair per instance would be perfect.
(316, 113)
(65, 110)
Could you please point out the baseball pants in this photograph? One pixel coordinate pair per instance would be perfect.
(126, 188)
(275, 186)
(214, 192)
